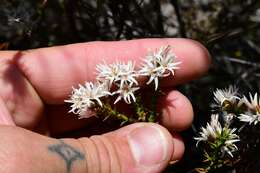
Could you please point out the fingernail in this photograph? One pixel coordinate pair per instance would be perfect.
(148, 145)
(173, 162)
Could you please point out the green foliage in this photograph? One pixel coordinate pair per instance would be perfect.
(142, 111)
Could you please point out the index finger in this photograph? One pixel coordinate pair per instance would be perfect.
(53, 71)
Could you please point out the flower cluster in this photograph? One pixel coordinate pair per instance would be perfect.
(159, 64)
(119, 81)
(233, 105)
(220, 136)
(86, 97)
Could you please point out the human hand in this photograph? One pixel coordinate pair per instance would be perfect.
(34, 84)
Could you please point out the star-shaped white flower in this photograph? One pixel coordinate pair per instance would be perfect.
(229, 94)
(127, 74)
(127, 93)
(79, 102)
(252, 116)
(158, 64)
(253, 103)
(150, 69)
(211, 131)
(118, 73)
(85, 97)
(108, 72)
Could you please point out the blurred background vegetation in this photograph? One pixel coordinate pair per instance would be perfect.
(228, 28)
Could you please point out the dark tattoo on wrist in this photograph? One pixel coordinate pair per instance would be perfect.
(68, 153)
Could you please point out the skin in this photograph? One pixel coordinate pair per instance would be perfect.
(34, 84)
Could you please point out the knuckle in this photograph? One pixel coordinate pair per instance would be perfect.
(102, 155)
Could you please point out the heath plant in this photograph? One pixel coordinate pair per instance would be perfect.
(232, 132)
(117, 85)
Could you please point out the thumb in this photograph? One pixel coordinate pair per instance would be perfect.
(137, 148)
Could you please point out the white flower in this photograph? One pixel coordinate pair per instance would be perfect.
(108, 72)
(253, 113)
(79, 103)
(229, 94)
(165, 58)
(86, 96)
(250, 118)
(253, 104)
(150, 69)
(214, 132)
(160, 63)
(118, 73)
(127, 93)
(127, 74)
(95, 91)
